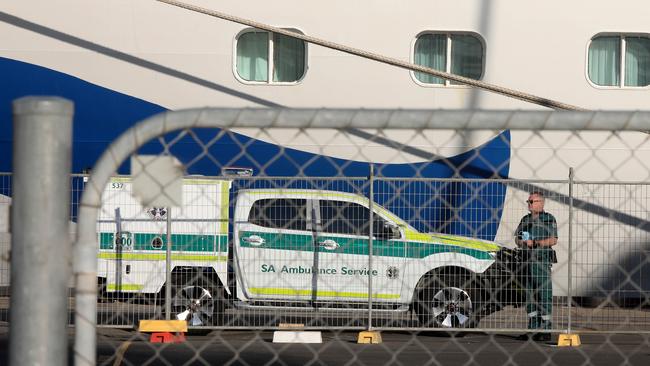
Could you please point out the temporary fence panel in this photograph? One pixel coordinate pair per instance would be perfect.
(300, 254)
(611, 260)
(5, 238)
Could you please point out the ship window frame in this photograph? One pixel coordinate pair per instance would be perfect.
(448, 34)
(622, 54)
(270, 62)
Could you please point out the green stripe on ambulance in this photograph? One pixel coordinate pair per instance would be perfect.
(180, 242)
(356, 246)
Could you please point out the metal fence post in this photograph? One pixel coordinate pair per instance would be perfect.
(168, 267)
(370, 251)
(570, 249)
(40, 242)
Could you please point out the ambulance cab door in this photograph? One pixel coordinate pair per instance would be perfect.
(275, 250)
(343, 261)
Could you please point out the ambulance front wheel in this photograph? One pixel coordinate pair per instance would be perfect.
(448, 301)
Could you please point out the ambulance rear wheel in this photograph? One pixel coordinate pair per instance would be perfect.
(101, 290)
(200, 303)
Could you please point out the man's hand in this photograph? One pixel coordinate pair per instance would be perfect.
(529, 243)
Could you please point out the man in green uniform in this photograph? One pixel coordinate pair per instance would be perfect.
(536, 235)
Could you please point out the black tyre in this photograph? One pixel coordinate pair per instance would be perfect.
(448, 301)
(102, 295)
(199, 302)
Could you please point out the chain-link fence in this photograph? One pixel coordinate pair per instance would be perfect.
(416, 221)
(286, 268)
(608, 279)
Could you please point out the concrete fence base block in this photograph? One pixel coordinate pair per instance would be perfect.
(568, 340)
(287, 336)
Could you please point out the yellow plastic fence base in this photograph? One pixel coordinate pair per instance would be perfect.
(568, 340)
(179, 326)
(369, 337)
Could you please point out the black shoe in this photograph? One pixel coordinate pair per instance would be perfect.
(542, 337)
(525, 337)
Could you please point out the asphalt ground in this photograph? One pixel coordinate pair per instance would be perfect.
(398, 348)
(251, 347)
(229, 347)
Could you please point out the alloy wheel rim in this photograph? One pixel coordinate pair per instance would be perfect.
(196, 304)
(451, 307)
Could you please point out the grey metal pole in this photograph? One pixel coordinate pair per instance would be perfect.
(40, 240)
(370, 233)
(570, 249)
(119, 246)
(168, 267)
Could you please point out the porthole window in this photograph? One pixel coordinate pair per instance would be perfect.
(619, 61)
(456, 53)
(260, 54)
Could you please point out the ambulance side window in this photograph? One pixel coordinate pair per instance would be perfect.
(340, 217)
(279, 213)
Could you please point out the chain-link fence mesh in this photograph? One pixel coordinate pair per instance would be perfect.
(132, 280)
(415, 228)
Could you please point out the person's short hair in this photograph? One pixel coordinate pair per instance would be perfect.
(537, 193)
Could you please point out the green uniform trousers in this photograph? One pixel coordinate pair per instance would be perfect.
(539, 290)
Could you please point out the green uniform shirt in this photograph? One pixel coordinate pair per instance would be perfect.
(542, 227)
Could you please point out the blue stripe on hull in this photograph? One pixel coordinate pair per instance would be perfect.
(102, 114)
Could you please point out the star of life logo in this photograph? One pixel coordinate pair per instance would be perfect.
(392, 272)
